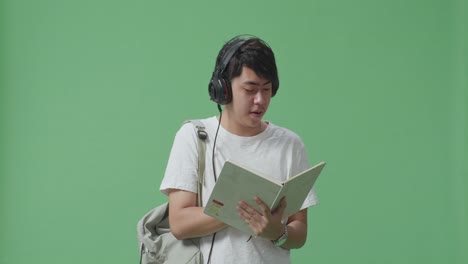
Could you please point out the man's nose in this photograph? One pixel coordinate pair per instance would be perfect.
(259, 97)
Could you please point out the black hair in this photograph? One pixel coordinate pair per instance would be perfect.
(255, 54)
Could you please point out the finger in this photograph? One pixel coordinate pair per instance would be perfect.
(245, 210)
(249, 209)
(242, 212)
(283, 202)
(263, 207)
(250, 220)
(281, 207)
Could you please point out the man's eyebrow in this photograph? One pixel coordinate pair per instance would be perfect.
(256, 83)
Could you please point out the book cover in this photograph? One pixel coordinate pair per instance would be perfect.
(236, 183)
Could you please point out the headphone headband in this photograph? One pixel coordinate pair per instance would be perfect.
(227, 58)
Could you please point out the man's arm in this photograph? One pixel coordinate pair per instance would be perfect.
(187, 220)
(297, 230)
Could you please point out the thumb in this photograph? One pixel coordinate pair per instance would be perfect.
(281, 207)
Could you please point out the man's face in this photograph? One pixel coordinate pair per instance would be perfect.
(251, 96)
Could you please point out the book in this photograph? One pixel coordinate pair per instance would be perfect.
(236, 183)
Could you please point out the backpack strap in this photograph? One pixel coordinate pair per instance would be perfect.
(153, 229)
(202, 136)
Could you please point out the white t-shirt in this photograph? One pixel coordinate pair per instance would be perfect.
(277, 152)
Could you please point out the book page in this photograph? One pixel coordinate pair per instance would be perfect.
(297, 188)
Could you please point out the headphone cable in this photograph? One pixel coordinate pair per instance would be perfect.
(214, 173)
(214, 143)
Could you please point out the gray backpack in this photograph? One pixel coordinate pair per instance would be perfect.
(157, 244)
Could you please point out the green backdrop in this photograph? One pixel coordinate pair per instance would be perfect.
(93, 91)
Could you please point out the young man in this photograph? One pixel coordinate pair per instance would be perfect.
(244, 80)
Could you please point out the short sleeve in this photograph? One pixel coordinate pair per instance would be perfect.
(181, 170)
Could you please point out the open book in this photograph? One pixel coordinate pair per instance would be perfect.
(236, 183)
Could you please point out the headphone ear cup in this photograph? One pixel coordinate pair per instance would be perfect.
(219, 90)
(227, 91)
(212, 90)
(216, 90)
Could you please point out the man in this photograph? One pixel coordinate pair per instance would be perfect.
(244, 80)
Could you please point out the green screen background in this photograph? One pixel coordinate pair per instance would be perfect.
(92, 93)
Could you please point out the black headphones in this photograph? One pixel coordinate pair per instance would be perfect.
(220, 89)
